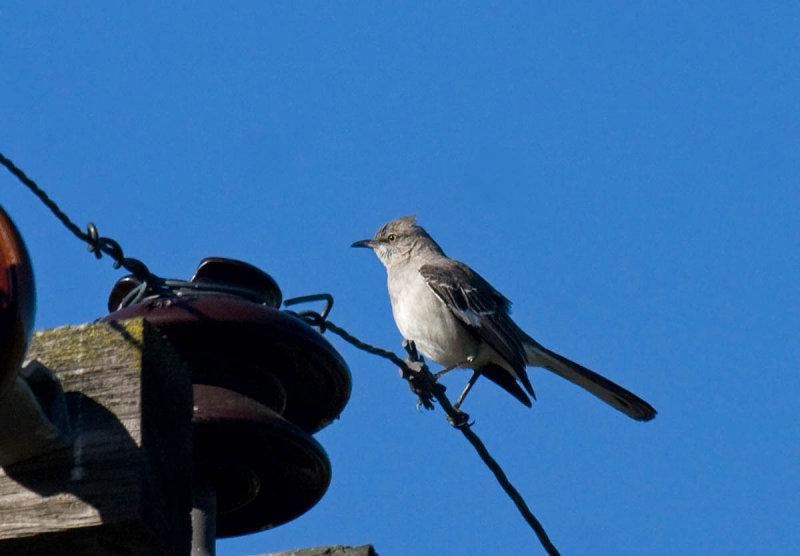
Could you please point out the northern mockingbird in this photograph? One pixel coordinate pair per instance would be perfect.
(457, 319)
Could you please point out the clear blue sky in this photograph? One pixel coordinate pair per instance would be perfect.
(626, 174)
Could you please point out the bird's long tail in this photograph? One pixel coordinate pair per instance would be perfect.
(611, 393)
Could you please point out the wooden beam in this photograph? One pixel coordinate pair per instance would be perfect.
(123, 486)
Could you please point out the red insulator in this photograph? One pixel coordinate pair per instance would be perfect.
(265, 470)
(17, 300)
(252, 348)
(263, 382)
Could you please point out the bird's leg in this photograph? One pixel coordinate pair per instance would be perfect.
(467, 388)
(446, 370)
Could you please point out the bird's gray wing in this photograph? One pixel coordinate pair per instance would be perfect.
(483, 310)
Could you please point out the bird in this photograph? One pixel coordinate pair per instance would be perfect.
(456, 318)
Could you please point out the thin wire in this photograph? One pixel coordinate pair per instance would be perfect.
(459, 419)
(456, 417)
(97, 244)
(150, 284)
(512, 492)
(71, 226)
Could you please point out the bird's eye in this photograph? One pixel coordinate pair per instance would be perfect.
(391, 237)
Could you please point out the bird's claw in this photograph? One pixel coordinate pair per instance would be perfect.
(414, 373)
(460, 419)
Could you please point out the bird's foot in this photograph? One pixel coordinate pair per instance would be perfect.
(421, 386)
(411, 350)
(416, 373)
(459, 419)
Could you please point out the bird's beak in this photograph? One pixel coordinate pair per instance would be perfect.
(364, 243)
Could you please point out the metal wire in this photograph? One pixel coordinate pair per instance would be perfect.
(424, 384)
(150, 284)
(97, 244)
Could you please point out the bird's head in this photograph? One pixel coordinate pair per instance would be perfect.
(398, 240)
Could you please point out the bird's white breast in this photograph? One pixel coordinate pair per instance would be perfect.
(424, 319)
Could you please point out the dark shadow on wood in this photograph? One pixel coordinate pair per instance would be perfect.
(106, 470)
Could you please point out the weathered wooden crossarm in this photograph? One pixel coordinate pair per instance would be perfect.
(114, 476)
